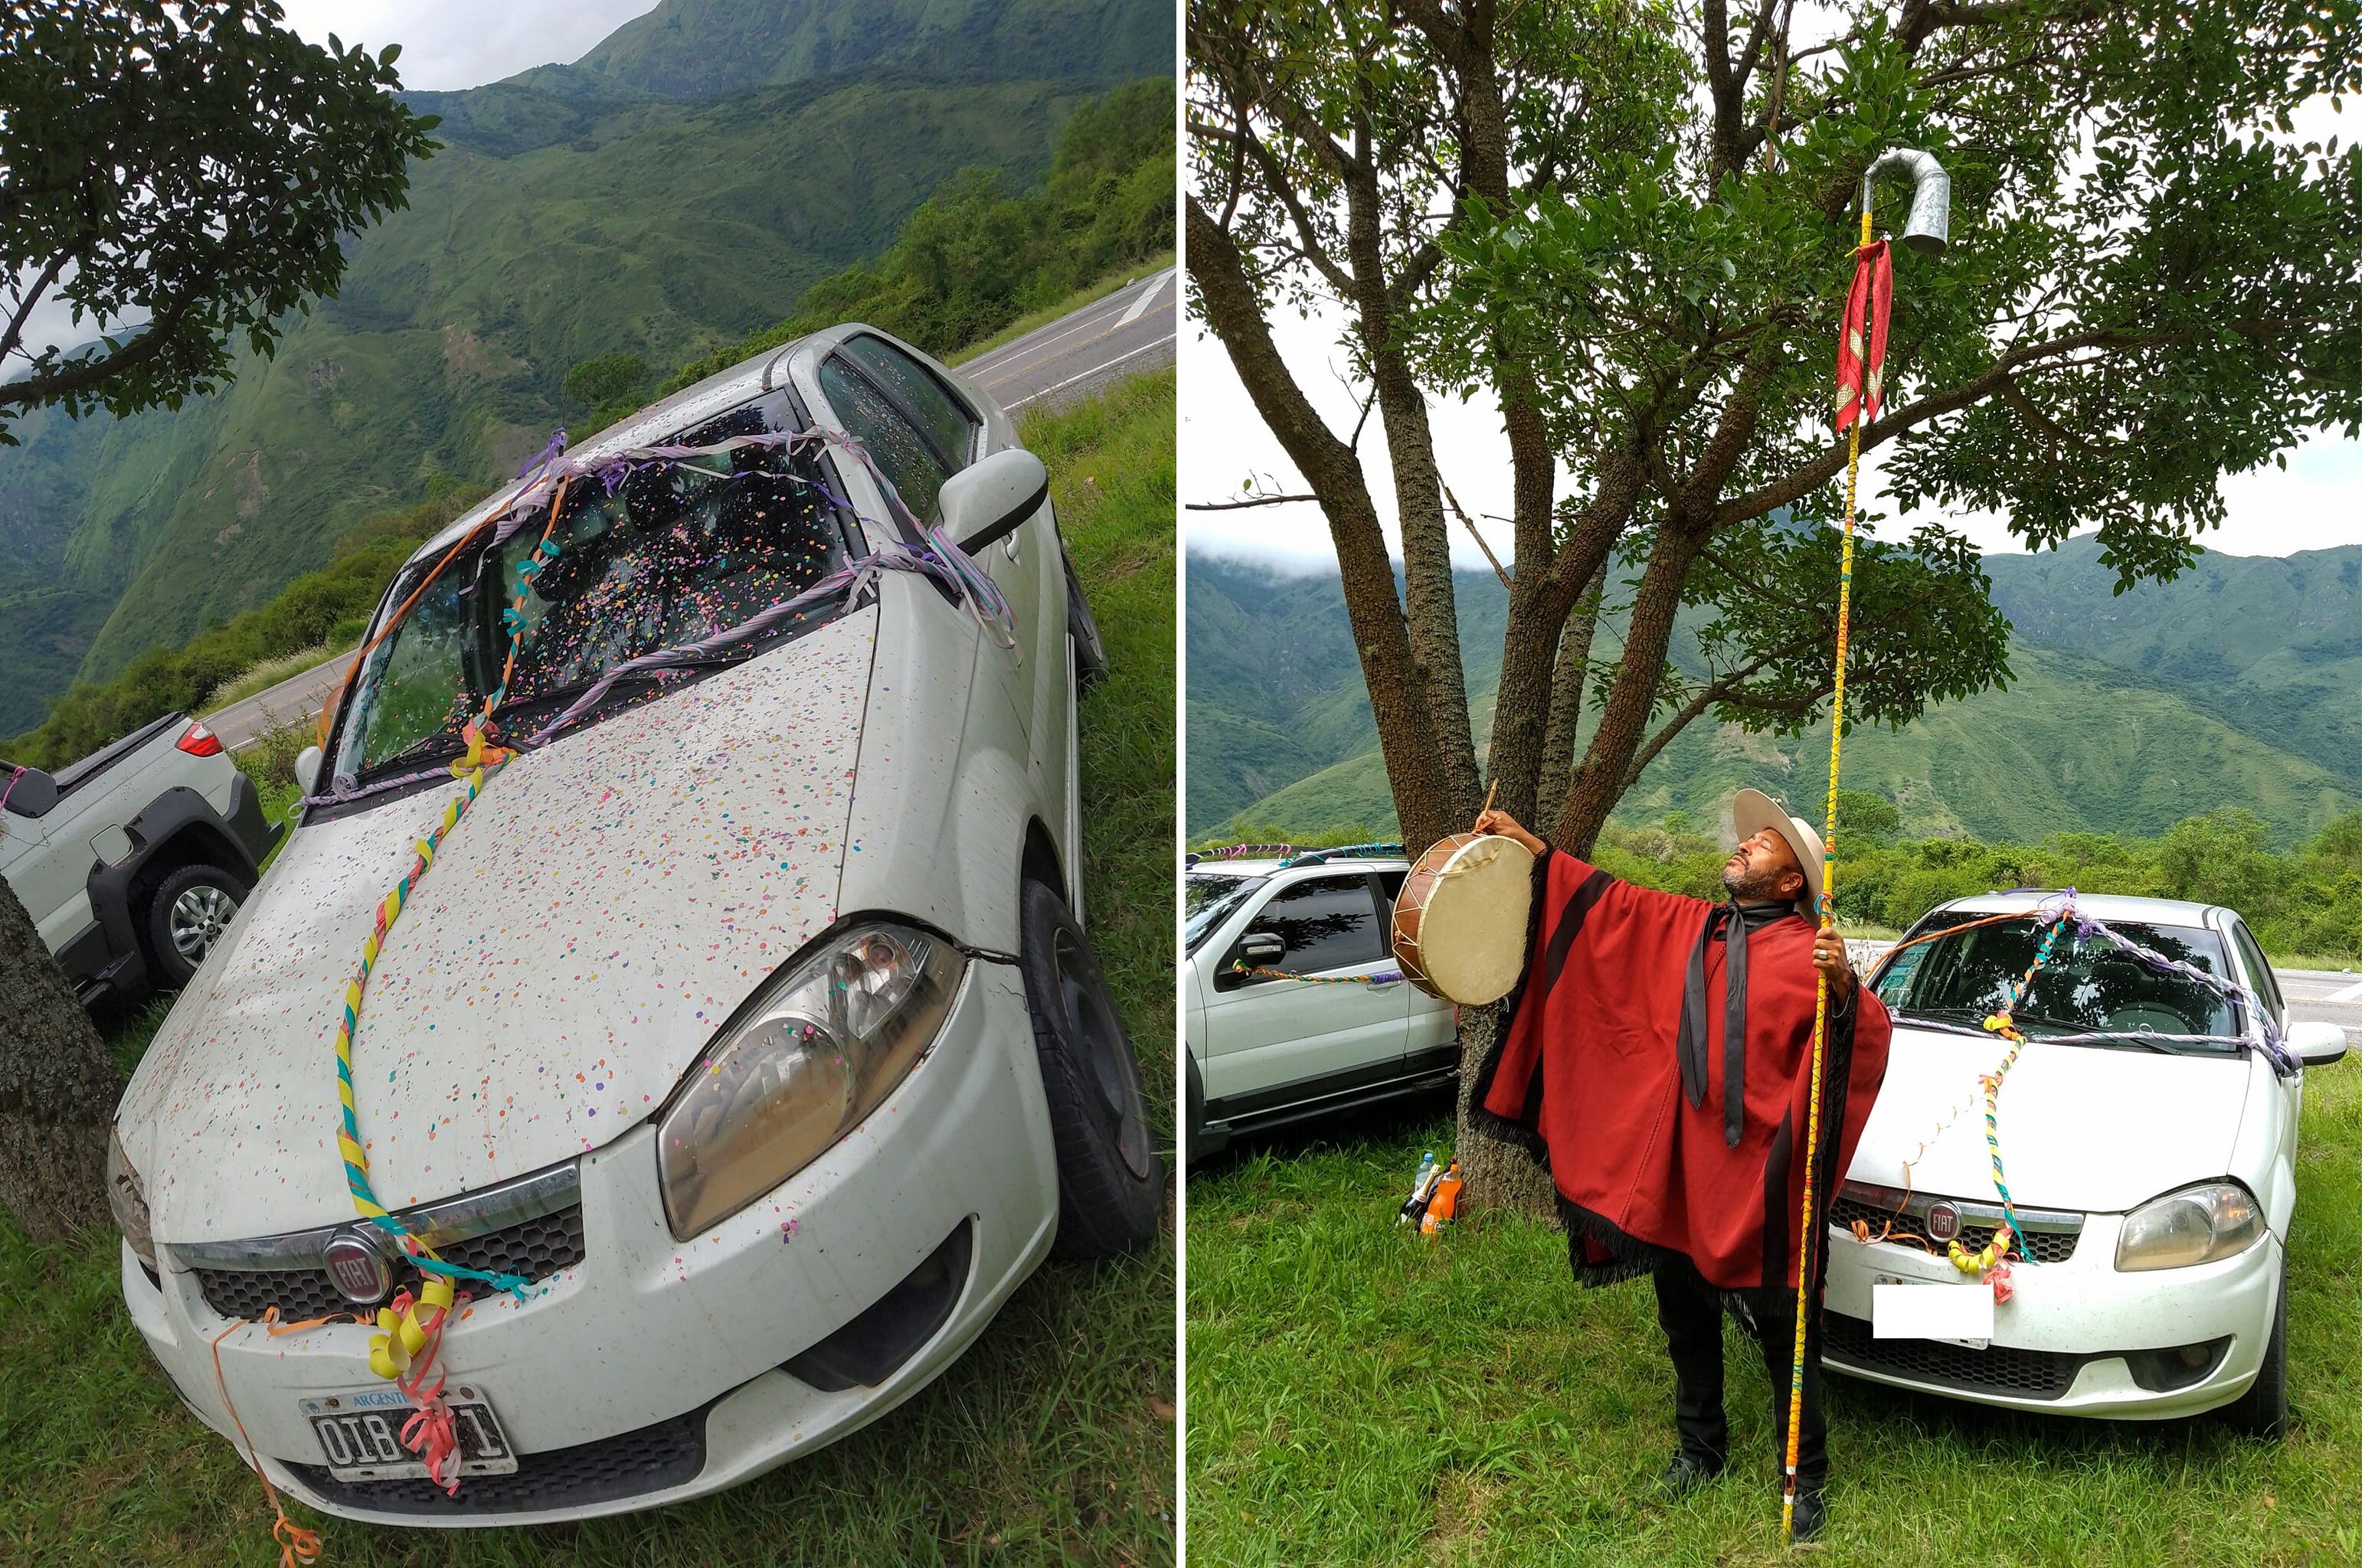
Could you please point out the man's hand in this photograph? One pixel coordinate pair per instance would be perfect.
(1500, 823)
(1832, 959)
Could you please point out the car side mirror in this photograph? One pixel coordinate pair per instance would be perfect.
(307, 768)
(1258, 949)
(988, 499)
(2317, 1044)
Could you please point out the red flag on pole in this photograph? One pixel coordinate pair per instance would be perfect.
(1863, 342)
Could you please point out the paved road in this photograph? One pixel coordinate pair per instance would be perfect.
(297, 697)
(1056, 365)
(2326, 997)
(1053, 366)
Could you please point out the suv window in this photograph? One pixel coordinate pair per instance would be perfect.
(907, 459)
(2262, 974)
(940, 416)
(1327, 922)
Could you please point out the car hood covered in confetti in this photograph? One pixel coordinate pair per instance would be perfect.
(582, 934)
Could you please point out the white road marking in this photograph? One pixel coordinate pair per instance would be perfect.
(1149, 291)
(1095, 370)
(2348, 993)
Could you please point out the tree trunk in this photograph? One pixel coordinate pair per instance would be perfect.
(1601, 778)
(1568, 697)
(58, 1090)
(1431, 621)
(1499, 1175)
(1399, 706)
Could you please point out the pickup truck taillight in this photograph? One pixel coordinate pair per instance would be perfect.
(198, 741)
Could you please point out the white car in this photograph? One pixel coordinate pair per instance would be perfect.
(1264, 1051)
(750, 1020)
(2152, 1178)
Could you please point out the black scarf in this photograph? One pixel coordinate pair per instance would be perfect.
(1736, 920)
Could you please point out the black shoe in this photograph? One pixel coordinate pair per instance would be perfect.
(1807, 1514)
(1688, 1474)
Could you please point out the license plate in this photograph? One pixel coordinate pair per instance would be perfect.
(1970, 1344)
(361, 1435)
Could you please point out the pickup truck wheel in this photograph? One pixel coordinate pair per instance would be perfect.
(186, 915)
(2265, 1409)
(1110, 1178)
(1091, 658)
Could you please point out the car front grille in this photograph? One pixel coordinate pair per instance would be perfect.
(2044, 1246)
(533, 1249)
(652, 1459)
(2000, 1369)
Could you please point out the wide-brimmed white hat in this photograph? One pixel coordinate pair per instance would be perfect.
(1755, 811)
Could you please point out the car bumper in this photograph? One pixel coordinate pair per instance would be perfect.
(2061, 1343)
(652, 1370)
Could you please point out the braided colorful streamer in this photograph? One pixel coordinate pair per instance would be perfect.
(1385, 976)
(349, 1139)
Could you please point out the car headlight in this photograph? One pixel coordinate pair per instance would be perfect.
(2199, 1224)
(129, 1201)
(818, 1048)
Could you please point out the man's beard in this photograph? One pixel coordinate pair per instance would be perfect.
(1754, 886)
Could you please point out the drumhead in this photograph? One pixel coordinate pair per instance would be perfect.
(1460, 925)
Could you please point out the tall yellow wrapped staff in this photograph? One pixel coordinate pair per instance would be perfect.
(1864, 336)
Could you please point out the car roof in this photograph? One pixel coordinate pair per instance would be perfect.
(1268, 865)
(2100, 906)
(718, 393)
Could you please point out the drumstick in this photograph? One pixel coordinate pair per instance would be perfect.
(1490, 797)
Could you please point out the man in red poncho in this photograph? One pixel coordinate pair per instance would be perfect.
(1657, 1063)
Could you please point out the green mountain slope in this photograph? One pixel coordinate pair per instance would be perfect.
(2074, 742)
(656, 227)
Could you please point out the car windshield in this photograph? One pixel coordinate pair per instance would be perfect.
(2090, 985)
(678, 552)
(1208, 900)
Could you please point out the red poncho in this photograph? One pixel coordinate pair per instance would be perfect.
(1588, 1079)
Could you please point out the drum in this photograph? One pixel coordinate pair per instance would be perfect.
(1461, 926)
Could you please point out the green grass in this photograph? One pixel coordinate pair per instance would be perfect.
(1131, 273)
(1050, 1441)
(1358, 1396)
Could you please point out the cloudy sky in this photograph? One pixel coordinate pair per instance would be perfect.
(466, 43)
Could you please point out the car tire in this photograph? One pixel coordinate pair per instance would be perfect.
(185, 918)
(2264, 1410)
(1091, 658)
(1111, 1181)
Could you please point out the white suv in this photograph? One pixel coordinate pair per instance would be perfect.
(1265, 1051)
(2151, 1168)
(132, 861)
(749, 1021)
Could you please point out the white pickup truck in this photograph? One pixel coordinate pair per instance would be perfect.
(132, 860)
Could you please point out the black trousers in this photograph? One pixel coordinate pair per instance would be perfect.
(1694, 1321)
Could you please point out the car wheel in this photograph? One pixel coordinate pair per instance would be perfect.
(1091, 658)
(2265, 1410)
(186, 915)
(1110, 1176)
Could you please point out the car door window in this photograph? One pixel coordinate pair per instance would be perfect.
(905, 458)
(1325, 923)
(924, 400)
(2262, 972)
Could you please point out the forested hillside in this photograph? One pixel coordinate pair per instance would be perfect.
(680, 187)
(2233, 686)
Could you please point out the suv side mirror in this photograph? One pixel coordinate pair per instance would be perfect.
(988, 499)
(2317, 1044)
(1258, 949)
(307, 768)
